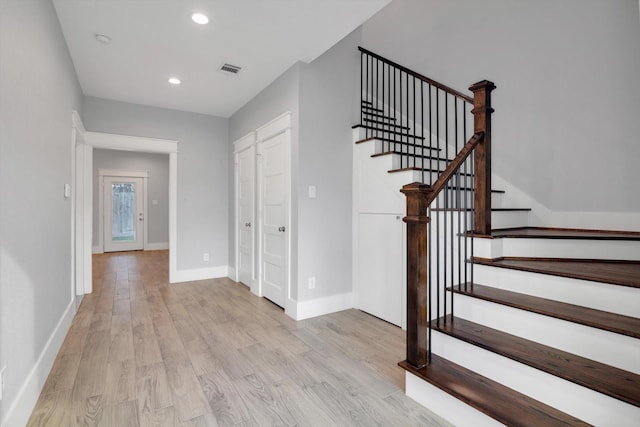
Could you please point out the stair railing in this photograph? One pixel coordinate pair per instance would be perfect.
(428, 126)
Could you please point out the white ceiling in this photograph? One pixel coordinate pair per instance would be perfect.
(153, 40)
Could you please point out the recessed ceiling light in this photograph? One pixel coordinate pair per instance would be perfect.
(200, 18)
(174, 81)
(102, 38)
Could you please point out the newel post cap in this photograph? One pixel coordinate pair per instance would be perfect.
(484, 84)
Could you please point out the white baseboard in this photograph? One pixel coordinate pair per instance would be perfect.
(20, 409)
(97, 250)
(232, 274)
(156, 246)
(300, 310)
(199, 274)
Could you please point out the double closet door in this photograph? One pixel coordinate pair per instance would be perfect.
(263, 191)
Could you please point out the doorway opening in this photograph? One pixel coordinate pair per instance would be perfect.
(83, 143)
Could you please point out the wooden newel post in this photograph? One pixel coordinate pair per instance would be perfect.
(417, 275)
(482, 155)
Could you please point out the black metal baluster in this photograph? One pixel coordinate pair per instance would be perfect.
(462, 182)
(430, 275)
(431, 138)
(361, 88)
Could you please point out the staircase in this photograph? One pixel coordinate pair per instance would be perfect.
(507, 324)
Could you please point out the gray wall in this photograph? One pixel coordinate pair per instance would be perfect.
(203, 170)
(157, 165)
(328, 90)
(566, 123)
(38, 91)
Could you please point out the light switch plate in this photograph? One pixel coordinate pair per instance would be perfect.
(312, 192)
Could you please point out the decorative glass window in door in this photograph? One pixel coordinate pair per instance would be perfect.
(123, 198)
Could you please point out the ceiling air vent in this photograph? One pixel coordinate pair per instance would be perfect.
(230, 69)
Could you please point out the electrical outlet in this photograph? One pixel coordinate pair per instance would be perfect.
(312, 282)
(2, 380)
(205, 256)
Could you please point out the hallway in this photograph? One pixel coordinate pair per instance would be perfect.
(210, 353)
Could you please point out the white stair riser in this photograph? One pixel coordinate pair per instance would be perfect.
(558, 248)
(509, 219)
(606, 347)
(358, 134)
(445, 405)
(452, 198)
(581, 402)
(622, 300)
(498, 219)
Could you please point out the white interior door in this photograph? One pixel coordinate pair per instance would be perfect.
(245, 215)
(380, 266)
(123, 214)
(274, 210)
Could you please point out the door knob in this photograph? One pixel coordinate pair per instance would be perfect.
(281, 229)
(247, 224)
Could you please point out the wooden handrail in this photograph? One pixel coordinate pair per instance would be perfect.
(418, 75)
(453, 166)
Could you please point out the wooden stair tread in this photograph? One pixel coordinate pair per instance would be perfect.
(623, 273)
(403, 144)
(387, 131)
(419, 156)
(489, 397)
(384, 123)
(492, 210)
(371, 108)
(381, 115)
(624, 325)
(605, 379)
(565, 233)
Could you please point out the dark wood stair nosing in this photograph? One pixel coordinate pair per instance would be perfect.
(400, 134)
(565, 233)
(598, 319)
(383, 123)
(608, 380)
(583, 275)
(499, 402)
(380, 116)
(422, 156)
(492, 210)
(402, 143)
(371, 108)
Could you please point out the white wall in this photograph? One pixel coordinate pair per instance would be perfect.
(157, 165)
(566, 124)
(38, 91)
(203, 171)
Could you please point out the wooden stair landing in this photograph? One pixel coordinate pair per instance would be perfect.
(489, 397)
(623, 273)
(624, 325)
(605, 379)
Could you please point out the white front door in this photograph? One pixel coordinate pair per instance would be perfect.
(274, 210)
(245, 216)
(123, 214)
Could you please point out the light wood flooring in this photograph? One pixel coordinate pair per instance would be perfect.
(141, 352)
